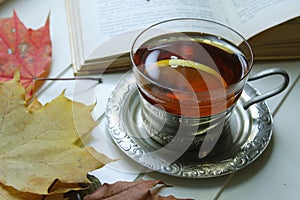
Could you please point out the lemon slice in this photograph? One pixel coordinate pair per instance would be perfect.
(192, 64)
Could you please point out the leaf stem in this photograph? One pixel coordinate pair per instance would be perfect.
(68, 79)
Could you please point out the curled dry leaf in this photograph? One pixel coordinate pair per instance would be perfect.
(38, 143)
(10, 193)
(25, 49)
(137, 190)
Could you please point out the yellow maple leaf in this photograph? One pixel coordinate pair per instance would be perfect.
(38, 143)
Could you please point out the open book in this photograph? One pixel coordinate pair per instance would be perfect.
(101, 32)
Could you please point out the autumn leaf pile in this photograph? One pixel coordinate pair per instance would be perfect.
(40, 152)
(38, 144)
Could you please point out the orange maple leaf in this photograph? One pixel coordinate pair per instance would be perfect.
(25, 49)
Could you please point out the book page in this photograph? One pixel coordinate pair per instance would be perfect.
(250, 17)
(108, 20)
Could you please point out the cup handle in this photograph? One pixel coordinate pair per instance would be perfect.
(265, 73)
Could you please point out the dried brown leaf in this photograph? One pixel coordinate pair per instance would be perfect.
(124, 190)
(137, 190)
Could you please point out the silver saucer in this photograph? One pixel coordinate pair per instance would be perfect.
(248, 134)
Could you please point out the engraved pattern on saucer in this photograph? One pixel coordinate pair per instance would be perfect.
(250, 133)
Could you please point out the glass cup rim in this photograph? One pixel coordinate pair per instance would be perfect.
(132, 48)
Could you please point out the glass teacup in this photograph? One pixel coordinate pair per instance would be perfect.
(190, 73)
